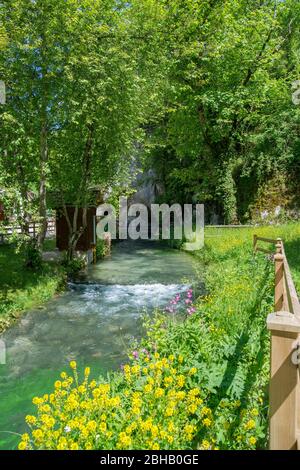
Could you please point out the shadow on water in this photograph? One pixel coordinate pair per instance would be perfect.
(92, 323)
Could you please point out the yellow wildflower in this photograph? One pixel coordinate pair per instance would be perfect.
(148, 388)
(168, 381)
(103, 426)
(62, 444)
(169, 411)
(189, 429)
(205, 411)
(31, 420)
(159, 392)
(180, 381)
(206, 422)
(171, 427)
(91, 426)
(135, 369)
(250, 425)
(37, 401)
(205, 445)
(192, 408)
(93, 384)
(37, 434)
(124, 440)
(81, 389)
(22, 445)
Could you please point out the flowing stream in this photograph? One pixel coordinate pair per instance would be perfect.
(93, 323)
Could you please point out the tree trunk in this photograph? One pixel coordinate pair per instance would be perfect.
(42, 189)
(24, 217)
(75, 232)
(44, 151)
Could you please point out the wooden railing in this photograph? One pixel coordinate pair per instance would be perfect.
(7, 230)
(284, 326)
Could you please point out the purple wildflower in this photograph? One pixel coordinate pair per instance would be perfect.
(135, 354)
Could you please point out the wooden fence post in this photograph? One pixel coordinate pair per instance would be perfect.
(284, 383)
(284, 325)
(254, 243)
(279, 276)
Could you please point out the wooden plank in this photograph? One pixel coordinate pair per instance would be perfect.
(283, 322)
(298, 409)
(267, 240)
(254, 242)
(263, 250)
(283, 392)
(291, 289)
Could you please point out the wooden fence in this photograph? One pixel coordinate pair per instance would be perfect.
(8, 230)
(284, 326)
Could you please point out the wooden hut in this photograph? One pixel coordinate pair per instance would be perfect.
(87, 242)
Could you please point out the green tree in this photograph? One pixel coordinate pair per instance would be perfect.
(228, 111)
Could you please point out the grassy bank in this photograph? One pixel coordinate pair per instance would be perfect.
(22, 289)
(198, 379)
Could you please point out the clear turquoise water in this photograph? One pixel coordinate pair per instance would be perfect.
(92, 323)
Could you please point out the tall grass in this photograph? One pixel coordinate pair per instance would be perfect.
(22, 289)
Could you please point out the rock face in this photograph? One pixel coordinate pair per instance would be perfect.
(147, 189)
(276, 201)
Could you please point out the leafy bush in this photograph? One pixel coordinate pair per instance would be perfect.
(28, 248)
(73, 266)
(152, 405)
(33, 256)
(101, 249)
(22, 289)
